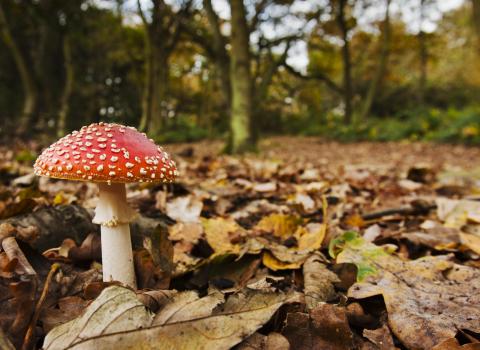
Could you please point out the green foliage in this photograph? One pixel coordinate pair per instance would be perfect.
(451, 125)
(184, 130)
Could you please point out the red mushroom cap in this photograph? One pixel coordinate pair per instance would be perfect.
(106, 153)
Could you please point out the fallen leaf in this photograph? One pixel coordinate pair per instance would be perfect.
(427, 299)
(185, 209)
(265, 187)
(118, 320)
(456, 213)
(381, 337)
(471, 241)
(257, 341)
(452, 344)
(280, 225)
(325, 328)
(218, 232)
(318, 281)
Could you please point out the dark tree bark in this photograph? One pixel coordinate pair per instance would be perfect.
(221, 58)
(162, 35)
(68, 86)
(423, 55)
(476, 20)
(30, 98)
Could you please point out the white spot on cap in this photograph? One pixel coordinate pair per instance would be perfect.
(103, 156)
(86, 167)
(90, 156)
(114, 158)
(112, 173)
(143, 171)
(129, 165)
(100, 167)
(129, 174)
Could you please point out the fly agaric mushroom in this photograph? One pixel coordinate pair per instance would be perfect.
(110, 155)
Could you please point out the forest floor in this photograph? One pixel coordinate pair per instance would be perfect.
(307, 244)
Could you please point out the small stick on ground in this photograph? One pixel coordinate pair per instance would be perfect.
(413, 210)
(27, 341)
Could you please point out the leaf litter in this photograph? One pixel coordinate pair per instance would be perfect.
(254, 252)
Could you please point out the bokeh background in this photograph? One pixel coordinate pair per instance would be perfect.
(239, 70)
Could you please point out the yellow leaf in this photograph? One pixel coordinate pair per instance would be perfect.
(311, 236)
(274, 264)
(280, 225)
(218, 232)
(472, 242)
(355, 221)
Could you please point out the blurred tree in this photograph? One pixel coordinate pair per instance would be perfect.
(340, 9)
(476, 19)
(162, 34)
(240, 76)
(254, 61)
(381, 66)
(30, 91)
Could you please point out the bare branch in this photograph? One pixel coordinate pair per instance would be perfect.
(142, 14)
(317, 76)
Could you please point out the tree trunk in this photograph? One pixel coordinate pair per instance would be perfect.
(382, 65)
(67, 88)
(147, 88)
(222, 61)
(423, 53)
(240, 77)
(347, 65)
(28, 83)
(158, 100)
(476, 20)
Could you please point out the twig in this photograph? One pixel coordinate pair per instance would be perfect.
(413, 210)
(27, 341)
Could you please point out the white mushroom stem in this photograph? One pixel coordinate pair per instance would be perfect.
(114, 216)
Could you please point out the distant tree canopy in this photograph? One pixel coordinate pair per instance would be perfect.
(183, 69)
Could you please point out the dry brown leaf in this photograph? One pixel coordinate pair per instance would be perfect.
(318, 281)
(118, 320)
(325, 328)
(257, 341)
(427, 299)
(381, 337)
(452, 344)
(188, 231)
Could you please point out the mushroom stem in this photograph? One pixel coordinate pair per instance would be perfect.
(114, 216)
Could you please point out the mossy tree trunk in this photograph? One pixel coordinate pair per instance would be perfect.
(240, 77)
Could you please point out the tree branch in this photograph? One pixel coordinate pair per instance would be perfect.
(317, 76)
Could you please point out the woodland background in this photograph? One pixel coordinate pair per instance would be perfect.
(184, 70)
